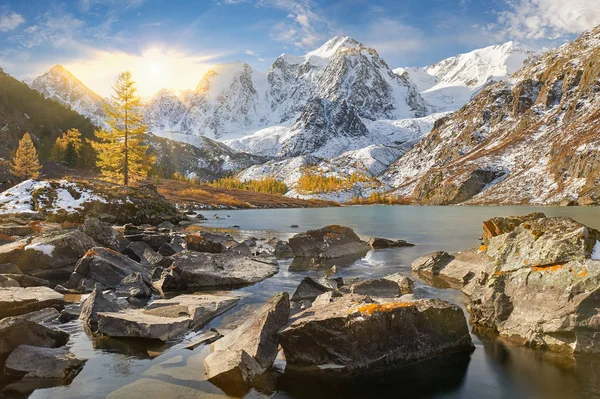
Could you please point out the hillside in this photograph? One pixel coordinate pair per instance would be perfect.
(530, 140)
(23, 109)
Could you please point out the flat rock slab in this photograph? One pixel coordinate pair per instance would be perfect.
(16, 300)
(32, 362)
(456, 269)
(226, 270)
(353, 334)
(165, 319)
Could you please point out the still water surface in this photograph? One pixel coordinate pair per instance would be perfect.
(134, 369)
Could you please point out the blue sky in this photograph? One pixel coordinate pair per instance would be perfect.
(172, 43)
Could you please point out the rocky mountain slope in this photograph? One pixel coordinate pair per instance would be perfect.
(60, 85)
(23, 109)
(530, 139)
(451, 83)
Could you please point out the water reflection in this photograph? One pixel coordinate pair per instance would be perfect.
(496, 369)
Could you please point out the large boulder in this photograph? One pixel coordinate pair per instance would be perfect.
(146, 255)
(105, 235)
(383, 287)
(94, 303)
(196, 242)
(241, 358)
(15, 300)
(501, 225)
(354, 334)
(104, 267)
(308, 290)
(32, 362)
(226, 270)
(543, 287)
(55, 250)
(165, 319)
(328, 243)
(15, 331)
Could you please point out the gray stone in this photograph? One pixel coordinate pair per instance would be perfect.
(6, 282)
(133, 286)
(41, 316)
(205, 270)
(28, 281)
(309, 289)
(104, 234)
(354, 334)
(381, 243)
(328, 243)
(31, 362)
(165, 319)
(15, 301)
(94, 303)
(10, 268)
(15, 331)
(241, 358)
(199, 243)
(379, 287)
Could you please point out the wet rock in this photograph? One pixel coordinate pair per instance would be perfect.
(205, 270)
(31, 362)
(105, 235)
(407, 285)
(456, 269)
(15, 301)
(309, 289)
(15, 331)
(381, 243)
(144, 254)
(165, 319)
(281, 249)
(328, 243)
(242, 357)
(70, 312)
(338, 337)
(241, 249)
(105, 267)
(199, 243)
(41, 316)
(54, 250)
(431, 263)
(94, 303)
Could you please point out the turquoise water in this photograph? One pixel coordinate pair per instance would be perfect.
(135, 369)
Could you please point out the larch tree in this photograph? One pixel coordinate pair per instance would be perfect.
(122, 155)
(67, 146)
(26, 164)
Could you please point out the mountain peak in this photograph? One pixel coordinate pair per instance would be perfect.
(58, 70)
(333, 45)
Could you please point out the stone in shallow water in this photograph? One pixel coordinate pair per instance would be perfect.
(352, 334)
(381, 243)
(15, 331)
(241, 358)
(328, 243)
(32, 362)
(15, 301)
(94, 303)
(204, 270)
(167, 318)
(308, 289)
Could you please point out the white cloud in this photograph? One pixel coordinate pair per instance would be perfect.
(87, 5)
(55, 28)
(10, 21)
(548, 19)
(391, 36)
(254, 54)
(303, 27)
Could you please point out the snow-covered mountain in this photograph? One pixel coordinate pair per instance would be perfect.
(449, 84)
(60, 85)
(530, 139)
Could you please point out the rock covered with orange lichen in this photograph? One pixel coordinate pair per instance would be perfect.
(328, 243)
(353, 334)
(543, 287)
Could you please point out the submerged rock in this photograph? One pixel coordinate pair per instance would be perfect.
(15, 300)
(328, 243)
(381, 243)
(32, 362)
(353, 334)
(309, 289)
(15, 331)
(242, 357)
(167, 318)
(205, 270)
